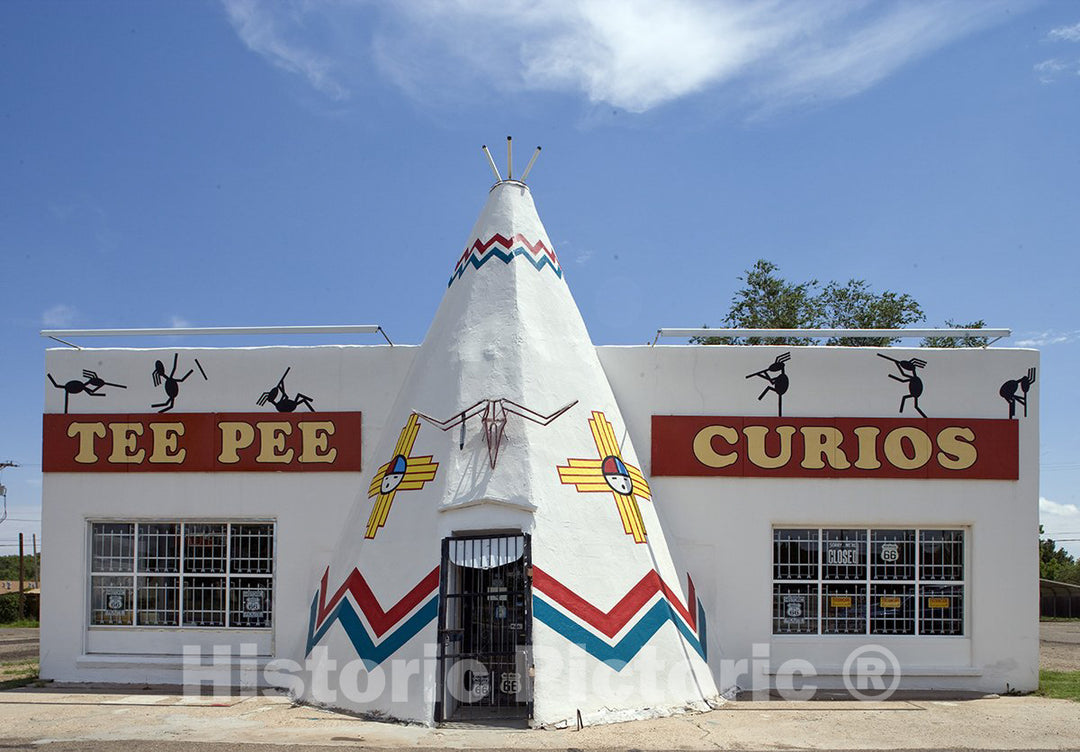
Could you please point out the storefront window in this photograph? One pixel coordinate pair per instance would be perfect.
(795, 554)
(892, 555)
(168, 574)
(795, 608)
(844, 556)
(886, 581)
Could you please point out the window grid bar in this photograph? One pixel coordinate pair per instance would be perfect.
(183, 572)
(228, 574)
(955, 537)
(820, 594)
(268, 531)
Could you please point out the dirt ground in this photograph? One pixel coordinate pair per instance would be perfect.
(37, 717)
(138, 721)
(1059, 645)
(18, 645)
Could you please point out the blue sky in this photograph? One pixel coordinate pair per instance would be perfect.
(249, 163)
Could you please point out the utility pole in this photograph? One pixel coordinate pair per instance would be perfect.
(3, 491)
(22, 595)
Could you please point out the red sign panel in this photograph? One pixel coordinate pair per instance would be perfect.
(835, 447)
(201, 442)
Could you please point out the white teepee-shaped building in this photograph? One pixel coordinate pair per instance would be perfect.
(507, 559)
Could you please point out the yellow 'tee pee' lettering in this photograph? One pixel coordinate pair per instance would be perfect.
(235, 435)
(202, 442)
(124, 442)
(316, 437)
(166, 439)
(272, 438)
(86, 433)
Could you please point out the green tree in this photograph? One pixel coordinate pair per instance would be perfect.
(9, 567)
(1056, 563)
(966, 340)
(768, 301)
(856, 306)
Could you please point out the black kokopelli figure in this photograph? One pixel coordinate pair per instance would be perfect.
(778, 380)
(92, 386)
(172, 383)
(1008, 391)
(911, 378)
(282, 401)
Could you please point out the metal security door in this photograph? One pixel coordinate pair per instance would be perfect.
(485, 628)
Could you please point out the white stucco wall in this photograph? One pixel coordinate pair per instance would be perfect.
(508, 328)
(720, 529)
(308, 508)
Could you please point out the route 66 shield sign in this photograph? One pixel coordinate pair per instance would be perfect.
(510, 683)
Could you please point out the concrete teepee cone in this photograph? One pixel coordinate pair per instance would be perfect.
(616, 630)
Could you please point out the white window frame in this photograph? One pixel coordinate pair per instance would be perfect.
(182, 572)
(868, 582)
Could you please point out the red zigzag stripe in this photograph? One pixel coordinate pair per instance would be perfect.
(506, 243)
(619, 616)
(379, 620)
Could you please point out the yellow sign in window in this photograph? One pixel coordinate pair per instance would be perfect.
(937, 602)
(840, 601)
(889, 602)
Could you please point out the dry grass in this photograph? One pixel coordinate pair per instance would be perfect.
(18, 673)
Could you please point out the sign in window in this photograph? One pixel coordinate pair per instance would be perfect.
(844, 581)
(182, 574)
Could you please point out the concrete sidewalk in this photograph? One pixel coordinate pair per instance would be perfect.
(98, 719)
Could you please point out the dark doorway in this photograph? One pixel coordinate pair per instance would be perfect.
(485, 629)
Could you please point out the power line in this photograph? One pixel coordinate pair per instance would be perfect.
(3, 491)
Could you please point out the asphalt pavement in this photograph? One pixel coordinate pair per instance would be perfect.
(18, 644)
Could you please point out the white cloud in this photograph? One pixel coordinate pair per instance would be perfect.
(1065, 33)
(1049, 337)
(1054, 509)
(179, 322)
(1055, 68)
(851, 55)
(60, 314)
(568, 251)
(631, 54)
(583, 256)
(266, 29)
(1056, 519)
(1053, 65)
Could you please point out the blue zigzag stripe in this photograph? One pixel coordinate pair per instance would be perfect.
(621, 653)
(370, 653)
(506, 258)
